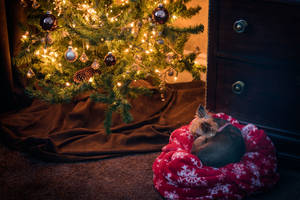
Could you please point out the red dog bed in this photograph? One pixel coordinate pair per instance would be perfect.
(178, 174)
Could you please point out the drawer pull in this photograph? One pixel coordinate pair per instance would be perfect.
(240, 26)
(238, 87)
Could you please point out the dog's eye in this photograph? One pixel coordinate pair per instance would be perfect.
(206, 127)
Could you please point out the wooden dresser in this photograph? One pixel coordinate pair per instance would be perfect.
(254, 67)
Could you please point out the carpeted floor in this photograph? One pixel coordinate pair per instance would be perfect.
(122, 178)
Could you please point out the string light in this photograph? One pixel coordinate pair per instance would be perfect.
(25, 36)
(119, 84)
(132, 24)
(175, 78)
(157, 71)
(91, 80)
(68, 84)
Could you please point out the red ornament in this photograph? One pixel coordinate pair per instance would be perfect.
(48, 22)
(160, 14)
(110, 59)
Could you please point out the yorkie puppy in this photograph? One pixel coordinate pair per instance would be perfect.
(216, 141)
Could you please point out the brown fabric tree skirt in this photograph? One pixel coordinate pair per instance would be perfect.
(74, 131)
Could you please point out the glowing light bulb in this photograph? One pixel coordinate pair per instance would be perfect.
(157, 71)
(87, 46)
(143, 40)
(175, 78)
(119, 84)
(37, 52)
(147, 52)
(126, 50)
(91, 79)
(68, 84)
(132, 24)
(174, 17)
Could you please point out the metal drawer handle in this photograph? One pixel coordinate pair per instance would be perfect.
(238, 87)
(240, 26)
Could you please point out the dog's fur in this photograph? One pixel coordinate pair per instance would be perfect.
(215, 148)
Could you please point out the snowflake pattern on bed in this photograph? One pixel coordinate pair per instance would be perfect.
(220, 188)
(171, 195)
(238, 170)
(170, 181)
(179, 155)
(158, 184)
(190, 177)
(254, 169)
(196, 162)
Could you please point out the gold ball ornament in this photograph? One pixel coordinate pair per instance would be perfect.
(95, 65)
(83, 58)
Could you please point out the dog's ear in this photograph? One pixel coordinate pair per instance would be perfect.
(201, 112)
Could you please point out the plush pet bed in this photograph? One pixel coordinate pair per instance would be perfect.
(178, 174)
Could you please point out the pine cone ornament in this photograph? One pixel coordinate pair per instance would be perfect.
(84, 74)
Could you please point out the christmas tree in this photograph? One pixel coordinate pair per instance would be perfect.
(103, 46)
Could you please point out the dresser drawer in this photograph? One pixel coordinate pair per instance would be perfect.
(270, 97)
(272, 32)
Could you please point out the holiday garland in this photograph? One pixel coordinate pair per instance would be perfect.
(102, 46)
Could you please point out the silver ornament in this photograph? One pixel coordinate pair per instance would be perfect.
(71, 55)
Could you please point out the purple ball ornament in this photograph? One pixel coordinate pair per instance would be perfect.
(48, 22)
(160, 14)
(110, 59)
